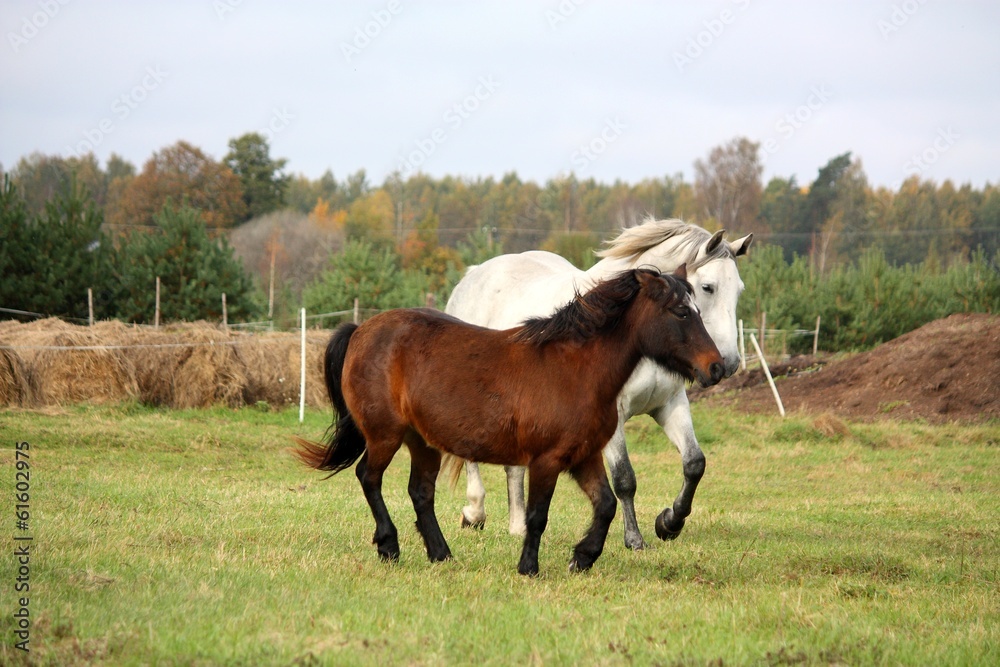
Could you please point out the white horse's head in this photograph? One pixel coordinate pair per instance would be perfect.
(711, 270)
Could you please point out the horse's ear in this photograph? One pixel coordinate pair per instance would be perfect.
(682, 271)
(741, 246)
(711, 244)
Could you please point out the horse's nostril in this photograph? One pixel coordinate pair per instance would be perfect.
(718, 371)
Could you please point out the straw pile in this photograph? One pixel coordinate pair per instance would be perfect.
(70, 364)
(194, 365)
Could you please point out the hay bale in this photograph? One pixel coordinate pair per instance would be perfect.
(273, 369)
(209, 371)
(14, 387)
(62, 368)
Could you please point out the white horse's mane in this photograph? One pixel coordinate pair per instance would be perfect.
(687, 239)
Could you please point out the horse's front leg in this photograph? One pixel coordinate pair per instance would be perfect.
(675, 418)
(592, 479)
(474, 514)
(623, 482)
(515, 499)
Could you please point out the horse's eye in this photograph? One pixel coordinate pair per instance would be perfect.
(682, 313)
(709, 289)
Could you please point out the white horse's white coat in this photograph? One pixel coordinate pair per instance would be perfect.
(504, 291)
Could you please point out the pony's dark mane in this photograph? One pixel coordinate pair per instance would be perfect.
(597, 310)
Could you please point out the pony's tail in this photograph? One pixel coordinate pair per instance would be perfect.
(345, 443)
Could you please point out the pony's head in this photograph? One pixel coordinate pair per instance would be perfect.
(670, 329)
(711, 271)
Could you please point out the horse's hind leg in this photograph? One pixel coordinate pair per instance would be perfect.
(592, 479)
(515, 500)
(675, 418)
(369, 472)
(474, 514)
(623, 482)
(425, 462)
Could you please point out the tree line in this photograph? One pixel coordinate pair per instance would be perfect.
(322, 242)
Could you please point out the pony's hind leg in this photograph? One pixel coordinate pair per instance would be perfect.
(425, 463)
(592, 479)
(369, 473)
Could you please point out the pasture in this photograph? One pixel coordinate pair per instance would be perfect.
(193, 537)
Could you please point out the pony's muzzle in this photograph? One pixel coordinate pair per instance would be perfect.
(716, 371)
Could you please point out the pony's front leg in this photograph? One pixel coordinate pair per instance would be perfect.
(592, 479)
(623, 482)
(675, 418)
(474, 514)
(515, 500)
(541, 484)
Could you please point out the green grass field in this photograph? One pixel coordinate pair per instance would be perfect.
(192, 537)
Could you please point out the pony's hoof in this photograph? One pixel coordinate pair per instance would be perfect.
(667, 529)
(478, 525)
(388, 556)
(577, 566)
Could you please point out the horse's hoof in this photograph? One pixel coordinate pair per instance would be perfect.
(635, 543)
(441, 558)
(388, 556)
(577, 566)
(478, 525)
(663, 529)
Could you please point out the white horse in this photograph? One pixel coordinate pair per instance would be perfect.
(504, 291)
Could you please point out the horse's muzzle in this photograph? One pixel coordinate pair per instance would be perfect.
(716, 371)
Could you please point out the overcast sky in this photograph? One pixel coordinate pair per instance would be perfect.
(610, 90)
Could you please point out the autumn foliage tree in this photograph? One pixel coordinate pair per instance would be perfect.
(728, 184)
(182, 173)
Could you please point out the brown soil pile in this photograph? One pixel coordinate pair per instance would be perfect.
(49, 362)
(947, 370)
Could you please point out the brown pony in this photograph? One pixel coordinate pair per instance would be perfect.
(542, 395)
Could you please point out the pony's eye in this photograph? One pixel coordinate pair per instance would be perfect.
(682, 313)
(708, 289)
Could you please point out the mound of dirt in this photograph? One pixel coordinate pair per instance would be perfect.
(947, 370)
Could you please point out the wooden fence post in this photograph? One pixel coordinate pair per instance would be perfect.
(357, 311)
(90, 306)
(302, 371)
(225, 315)
(156, 317)
(767, 373)
(743, 347)
(816, 337)
(763, 330)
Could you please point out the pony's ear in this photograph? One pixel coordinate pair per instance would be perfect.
(711, 244)
(741, 246)
(682, 271)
